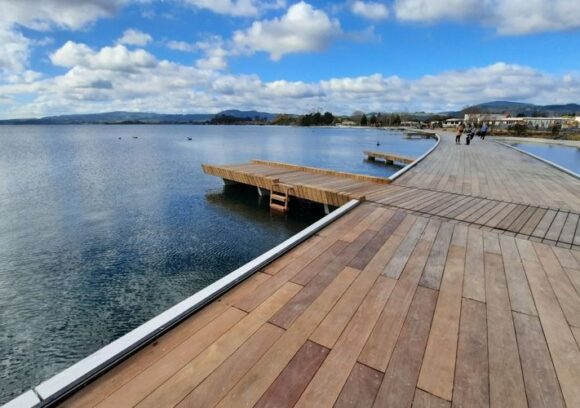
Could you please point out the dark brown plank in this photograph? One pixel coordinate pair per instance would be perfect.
(425, 400)
(360, 389)
(286, 390)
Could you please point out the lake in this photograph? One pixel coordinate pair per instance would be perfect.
(563, 155)
(100, 231)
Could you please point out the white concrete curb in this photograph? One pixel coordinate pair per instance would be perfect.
(90, 367)
(564, 169)
(410, 166)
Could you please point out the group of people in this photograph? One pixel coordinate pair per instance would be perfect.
(471, 132)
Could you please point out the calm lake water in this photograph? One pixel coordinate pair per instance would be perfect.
(99, 234)
(565, 156)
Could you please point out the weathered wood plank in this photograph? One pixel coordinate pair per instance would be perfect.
(360, 389)
(471, 387)
(286, 390)
(398, 387)
(438, 367)
(505, 374)
(542, 386)
(326, 385)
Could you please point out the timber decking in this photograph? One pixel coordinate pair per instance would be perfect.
(456, 286)
(389, 158)
(382, 308)
(319, 185)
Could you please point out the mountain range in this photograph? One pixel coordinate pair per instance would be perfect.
(514, 108)
(136, 118)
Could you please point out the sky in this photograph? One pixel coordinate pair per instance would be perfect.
(204, 56)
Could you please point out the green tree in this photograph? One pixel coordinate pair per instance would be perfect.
(363, 120)
(373, 120)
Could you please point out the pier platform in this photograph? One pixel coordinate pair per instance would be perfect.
(309, 183)
(457, 285)
(388, 158)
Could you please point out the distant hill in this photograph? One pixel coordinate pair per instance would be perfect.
(517, 108)
(135, 118)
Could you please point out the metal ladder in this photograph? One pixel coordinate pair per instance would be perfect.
(279, 199)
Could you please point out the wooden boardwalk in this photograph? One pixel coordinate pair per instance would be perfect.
(390, 307)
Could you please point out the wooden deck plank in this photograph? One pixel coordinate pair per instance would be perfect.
(542, 386)
(291, 383)
(395, 267)
(563, 288)
(517, 283)
(399, 382)
(438, 369)
(215, 386)
(360, 389)
(182, 382)
(506, 384)
(561, 343)
(426, 400)
(326, 385)
(471, 385)
(149, 379)
(474, 282)
(431, 277)
(256, 381)
(379, 347)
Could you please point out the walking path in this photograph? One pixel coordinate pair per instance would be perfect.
(406, 300)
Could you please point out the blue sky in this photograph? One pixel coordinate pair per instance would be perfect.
(62, 56)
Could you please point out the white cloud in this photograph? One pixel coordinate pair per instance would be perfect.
(135, 37)
(370, 10)
(510, 17)
(70, 14)
(181, 46)
(302, 29)
(238, 8)
(13, 51)
(117, 58)
(112, 78)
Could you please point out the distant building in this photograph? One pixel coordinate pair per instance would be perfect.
(451, 123)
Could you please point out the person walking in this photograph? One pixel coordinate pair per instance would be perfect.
(483, 131)
(460, 130)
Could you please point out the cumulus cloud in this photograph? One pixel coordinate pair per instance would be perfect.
(370, 10)
(510, 17)
(302, 29)
(237, 8)
(117, 58)
(89, 86)
(42, 15)
(134, 37)
(14, 50)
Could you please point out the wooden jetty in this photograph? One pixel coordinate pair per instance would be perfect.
(388, 158)
(456, 285)
(319, 185)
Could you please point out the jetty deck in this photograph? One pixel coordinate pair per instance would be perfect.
(398, 303)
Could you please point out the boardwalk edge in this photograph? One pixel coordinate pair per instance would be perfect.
(69, 380)
(410, 166)
(548, 162)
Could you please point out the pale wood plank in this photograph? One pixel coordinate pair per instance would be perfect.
(326, 385)
(505, 375)
(426, 400)
(474, 282)
(471, 387)
(215, 386)
(438, 367)
(542, 386)
(256, 381)
(519, 291)
(175, 388)
(561, 343)
(379, 347)
(398, 387)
